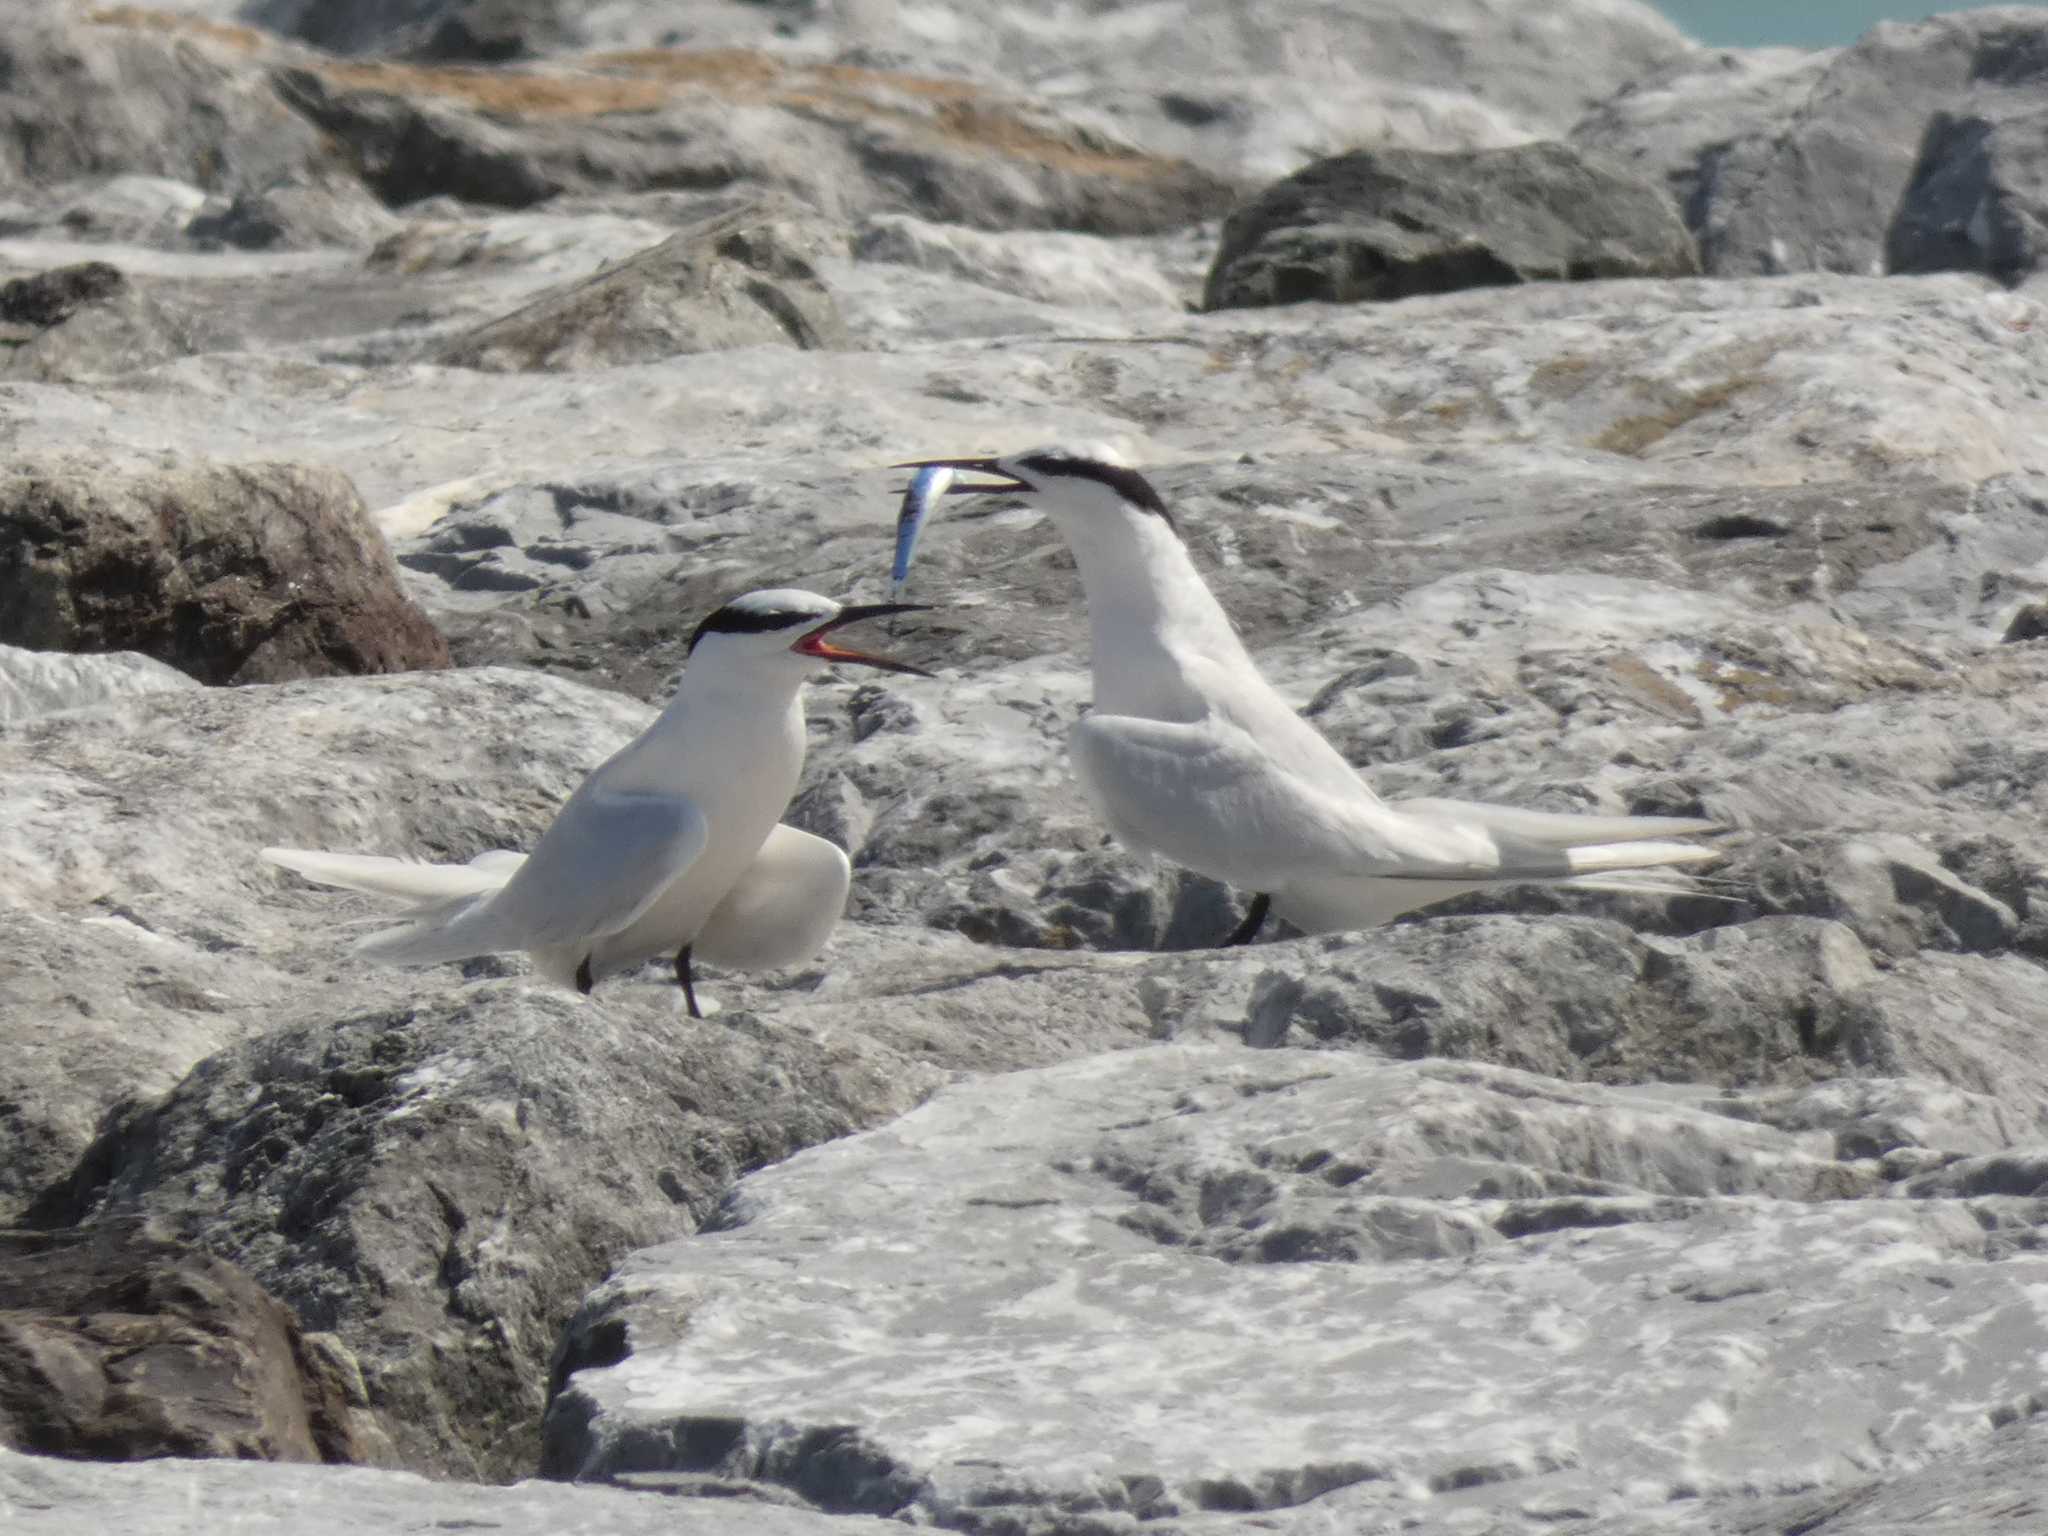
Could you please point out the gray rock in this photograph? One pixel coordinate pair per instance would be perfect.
(78, 321)
(247, 573)
(115, 1346)
(449, 1144)
(491, 31)
(1894, 892)
(1767, 1001)
(150, 210)
(422, 1173)
(122, 1010)
(143, 936)
(34, 683)
(51, 298)
(747, 277)
(1387, 224)
(1714, 388)
(302, 212)
(1261, 93)
(843, 139)
(1990, 1483)
(1435, 1276)
(1676, 122)
(1978, 201)
(141, 92)
(1245, 93)
(1822, 189)
(1051, 268)
(472, 31)
(2030, 623)
(192, 1498)
(229, 112)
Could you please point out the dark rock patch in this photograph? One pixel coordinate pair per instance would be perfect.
(85, 320)
(232, 573)
(50, 298)
(1978, 200)
(116, 1346)
(1386, 224)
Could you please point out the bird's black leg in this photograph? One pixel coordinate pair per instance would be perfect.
(688, 986)
(1254, 920)
(584, 980)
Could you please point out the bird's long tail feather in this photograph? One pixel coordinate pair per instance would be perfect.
(1651, 867)
(1646, 883)
(1607, 858)
(376, 875)
(1564, 830)
(450, 916)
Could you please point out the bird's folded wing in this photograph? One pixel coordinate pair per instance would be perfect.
(1207, 795)
(603, 863)
(782, 908)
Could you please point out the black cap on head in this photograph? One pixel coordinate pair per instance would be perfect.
(759, 612)
(807, 619)
(1121, 478)
(1103, 467)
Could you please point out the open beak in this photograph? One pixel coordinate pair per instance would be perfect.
(815, 644)
(1006, 482)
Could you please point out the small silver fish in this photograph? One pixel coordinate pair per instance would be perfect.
(927, 487)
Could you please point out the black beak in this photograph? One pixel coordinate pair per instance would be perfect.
(815, 644)
(1008, 481)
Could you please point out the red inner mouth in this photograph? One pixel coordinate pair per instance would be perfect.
(815, 644)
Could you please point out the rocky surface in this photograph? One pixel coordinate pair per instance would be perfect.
(141, 94)
(437, 1181)
(1976, 201)
(190, 1498)
(416, 1152)
(303, 211)
(1854, 161)
(1546, 1213)
(1240, 91)
(1588, 1253)
(118, 1346)
(743, 278)
(78, 321)
(1677, 122)
(1390, 224)
(46, 682)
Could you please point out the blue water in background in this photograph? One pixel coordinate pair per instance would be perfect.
(1811, 23)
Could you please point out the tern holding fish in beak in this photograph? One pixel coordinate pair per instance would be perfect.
(1188, 752)
(673, 846)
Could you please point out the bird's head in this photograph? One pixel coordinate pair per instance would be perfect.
(787, 628)
(1081, 488)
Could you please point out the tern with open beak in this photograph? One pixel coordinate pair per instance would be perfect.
(671, 847)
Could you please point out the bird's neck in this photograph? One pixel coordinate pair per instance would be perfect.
(762, 698)
(1151, 616)
(725, 724)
